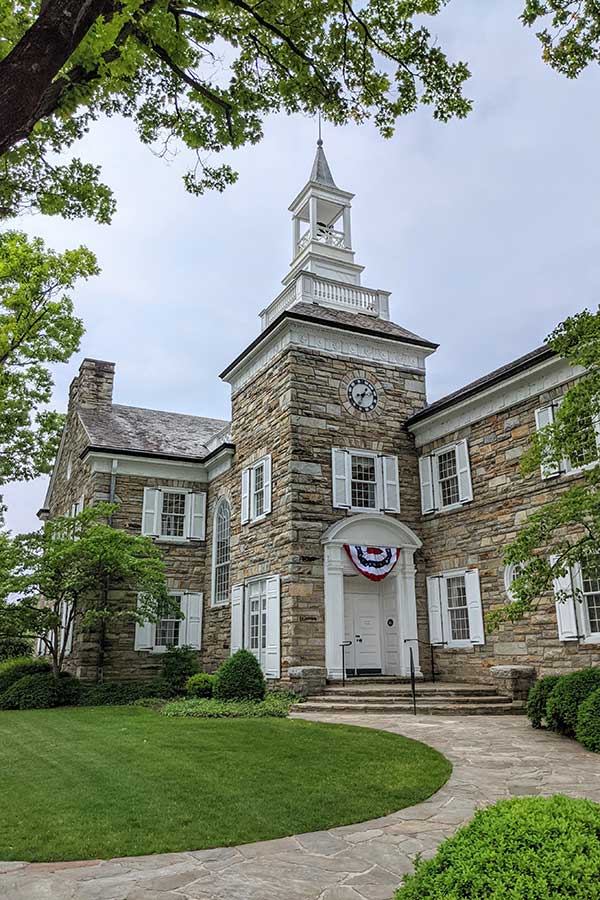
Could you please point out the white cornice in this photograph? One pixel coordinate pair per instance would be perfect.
(529, 383)
(145, 467)
(374, 349)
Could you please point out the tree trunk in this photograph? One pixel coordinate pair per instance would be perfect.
(27, 73)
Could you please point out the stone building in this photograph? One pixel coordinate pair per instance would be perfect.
(277, 526)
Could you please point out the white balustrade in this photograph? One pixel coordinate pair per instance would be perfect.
(324, 235)
(310, 288)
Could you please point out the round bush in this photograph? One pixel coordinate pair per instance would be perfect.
(240, 678)
(200, 685)
(41, 691)
(587, 731)
(522, 849)
(538, 697)
(565, 697)
(13, 669)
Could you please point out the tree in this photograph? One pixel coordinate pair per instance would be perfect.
(204, 73)
(564, 533)
(570, 35)
(37, 328)
(60, 577)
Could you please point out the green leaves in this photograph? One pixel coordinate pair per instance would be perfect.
(570, 37)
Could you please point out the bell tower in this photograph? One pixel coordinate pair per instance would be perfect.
(321, 227)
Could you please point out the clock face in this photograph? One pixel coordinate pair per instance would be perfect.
(362, 395)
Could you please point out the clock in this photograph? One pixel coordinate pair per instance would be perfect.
(362, 395)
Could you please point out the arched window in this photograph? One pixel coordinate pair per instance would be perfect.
(221, 541)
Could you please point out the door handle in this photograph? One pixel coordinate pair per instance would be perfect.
(358, 638)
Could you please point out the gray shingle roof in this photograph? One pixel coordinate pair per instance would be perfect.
(133, 429)
(355, 321)
(321, 173)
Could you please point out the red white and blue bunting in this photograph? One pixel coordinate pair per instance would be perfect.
(373, 562)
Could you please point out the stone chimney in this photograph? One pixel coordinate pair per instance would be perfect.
(93, 387)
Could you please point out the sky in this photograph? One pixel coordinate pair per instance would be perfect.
(486, 231)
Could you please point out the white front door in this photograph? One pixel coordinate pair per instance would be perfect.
(362, 603)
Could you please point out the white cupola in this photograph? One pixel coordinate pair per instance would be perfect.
(321, 228)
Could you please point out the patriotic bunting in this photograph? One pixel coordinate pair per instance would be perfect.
(373, 562)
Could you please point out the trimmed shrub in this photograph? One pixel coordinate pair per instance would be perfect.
(565, 697)
(538, 697)
(587, 731)
(271, 707)
(10, 647)
(178, 664)
(529, 847)
(240, 678)
(115, 694)
(13, 670)
(200, 685)
(41, 691)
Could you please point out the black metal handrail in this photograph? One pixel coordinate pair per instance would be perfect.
(433, 646)
(343, 645)
(413, 680)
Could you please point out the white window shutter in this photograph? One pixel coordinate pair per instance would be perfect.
(144, 636)
(273, 649)
(341, 474)
(434, 606)
(463, 468)
(196, 516)
(544, 416)
(245, 496)
(474, 610)
(390, 483)
(267, 480)
(191, 607)
(237, 617)
(151, 512)
(426, 478)
(566, 613)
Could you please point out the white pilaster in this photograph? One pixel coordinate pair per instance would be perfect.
(334, 610)
(347, 229)
(407, 614)
(295, 235)
(313, 216)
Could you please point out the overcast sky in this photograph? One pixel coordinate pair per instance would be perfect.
(486, 231)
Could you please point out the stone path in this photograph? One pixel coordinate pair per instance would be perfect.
(493, 757)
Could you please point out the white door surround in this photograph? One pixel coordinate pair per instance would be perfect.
(397, 601)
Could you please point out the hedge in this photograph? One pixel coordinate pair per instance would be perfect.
(587, 731)
(240, 678)
(529, 848)
(272, 707)
(538, 698)
(11, 670)
(41, 691)
(115, 694)
(565, 697)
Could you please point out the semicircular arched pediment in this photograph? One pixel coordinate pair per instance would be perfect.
(373, 530)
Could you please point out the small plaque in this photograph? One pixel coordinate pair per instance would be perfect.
(309, 618)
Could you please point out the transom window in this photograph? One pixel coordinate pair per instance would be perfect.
(448, 477)
(590, 577)
(167, 627)
(364, 482)
(172, 520)
(221, 552)
(257, 612)
(457, 608)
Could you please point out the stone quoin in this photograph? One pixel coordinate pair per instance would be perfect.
(331, 442)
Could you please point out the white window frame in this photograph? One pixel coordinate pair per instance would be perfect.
(162, 648)
(190, 626)
(572, 613)
(387, 489)
(249, 493)
(270, 659)
(195, 505)
(430, 462)
(186, 511)
(222, 502)
(512, 571)
(437, 589)
(564, 466)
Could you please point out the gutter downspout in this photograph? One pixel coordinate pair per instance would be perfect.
(112, 490)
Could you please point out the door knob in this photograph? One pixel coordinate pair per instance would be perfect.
(358, 638)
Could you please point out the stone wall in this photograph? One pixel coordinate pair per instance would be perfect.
(477, 534)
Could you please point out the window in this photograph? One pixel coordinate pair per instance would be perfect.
(169, 630)
(588, 439)
(510, 573)
(590, 578)
(363, 480)
(256, 490)
(174, 515)
(167, 627)
(455, 611)
(256, 621)
(445, 477)
(221, 552)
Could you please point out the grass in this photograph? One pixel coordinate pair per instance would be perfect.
(118, 781)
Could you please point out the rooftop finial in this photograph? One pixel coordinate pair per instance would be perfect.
(320, 140)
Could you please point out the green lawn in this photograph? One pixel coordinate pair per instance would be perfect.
(87, 783)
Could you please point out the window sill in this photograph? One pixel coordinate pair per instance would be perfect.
(593, 638)
(447, 509)
(257, 520)
(219, 605)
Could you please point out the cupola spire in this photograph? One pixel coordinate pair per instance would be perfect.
(321, 173)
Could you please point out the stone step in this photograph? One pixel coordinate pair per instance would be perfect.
(423, 708)
(370, 700)
(399, 690)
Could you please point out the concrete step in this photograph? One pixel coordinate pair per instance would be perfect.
(424, 708)
(441, 699)
(400, 690)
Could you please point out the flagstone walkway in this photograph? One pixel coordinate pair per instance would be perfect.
(493, 758)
